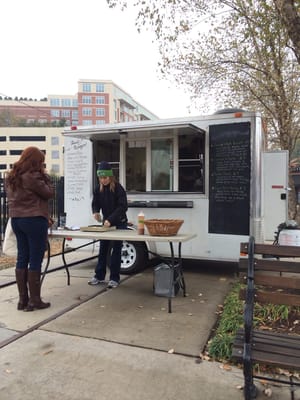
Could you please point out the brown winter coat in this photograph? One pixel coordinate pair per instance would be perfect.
(31, 198)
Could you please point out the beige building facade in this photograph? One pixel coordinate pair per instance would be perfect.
(50, 140)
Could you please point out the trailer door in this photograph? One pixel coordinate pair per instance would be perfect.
(275, 167)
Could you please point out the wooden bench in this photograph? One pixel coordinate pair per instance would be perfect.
(269, 280)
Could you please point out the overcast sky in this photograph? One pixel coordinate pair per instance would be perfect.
(47, 46)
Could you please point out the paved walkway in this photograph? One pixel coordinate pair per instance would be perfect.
(122, 343)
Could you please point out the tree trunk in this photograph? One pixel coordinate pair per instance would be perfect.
(292, 199)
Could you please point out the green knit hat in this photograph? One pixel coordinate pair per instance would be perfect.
(104, 169)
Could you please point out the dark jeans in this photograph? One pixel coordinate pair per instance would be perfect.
(31, 234)
(115, 259)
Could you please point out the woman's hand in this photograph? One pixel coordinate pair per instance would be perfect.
(97, 217)
(106, 223)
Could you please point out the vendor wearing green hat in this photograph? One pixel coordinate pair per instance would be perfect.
(104, 169)
(110, 198)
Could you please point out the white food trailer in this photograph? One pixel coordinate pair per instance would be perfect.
(211, 171)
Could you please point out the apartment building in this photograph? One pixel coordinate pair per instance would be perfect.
(96, 102)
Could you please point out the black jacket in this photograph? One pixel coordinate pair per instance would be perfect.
(112, 204)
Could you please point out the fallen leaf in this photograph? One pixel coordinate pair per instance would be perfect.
(171, 351)
(190, 314)
(200, 294)
(265, 328)
(206, 358)
(240, 387)
(47, 352)
(8, 371)
(263, 382)
(268, 392)
(284, 372)
(140, 306)
(223, 279)
(226, 367)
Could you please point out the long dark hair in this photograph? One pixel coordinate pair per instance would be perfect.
(112, 184)
(31, 160)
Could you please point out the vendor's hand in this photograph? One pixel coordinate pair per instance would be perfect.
(97, 217)
(106, 223)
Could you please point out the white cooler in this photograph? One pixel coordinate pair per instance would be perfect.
(289, 237)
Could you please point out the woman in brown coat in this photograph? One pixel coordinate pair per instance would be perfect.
(28, 190)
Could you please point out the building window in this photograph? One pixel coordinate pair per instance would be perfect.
(87, 122)
(74, 103)
(3, 153)
(55, 154)
(27, 138)
(65, 113)
(100, 122)
(66, 102)
(86, 87)
(15, 152)
(99, 87)
(87, 112)
(100, 99)
(55, 113)
(54, 102)
(100, 112)
(75, 114)
(55, 168)
(54, 140)
(86, 99)
(2, 138)
(2, 166)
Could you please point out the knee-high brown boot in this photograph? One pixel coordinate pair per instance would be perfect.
(34, 284)
(21, 278)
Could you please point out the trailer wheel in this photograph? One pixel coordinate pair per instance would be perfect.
(134, 257)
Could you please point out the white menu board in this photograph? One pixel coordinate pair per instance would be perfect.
(78, 181)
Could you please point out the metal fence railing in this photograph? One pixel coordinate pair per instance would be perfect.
(56, 204)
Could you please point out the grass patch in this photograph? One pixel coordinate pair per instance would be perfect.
(279, 318)
(219, 347)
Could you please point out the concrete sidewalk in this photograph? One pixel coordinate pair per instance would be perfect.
(94, 343)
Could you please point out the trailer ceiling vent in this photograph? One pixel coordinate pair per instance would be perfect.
(238, 112)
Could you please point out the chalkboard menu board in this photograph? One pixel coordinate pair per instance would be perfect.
(229, 178)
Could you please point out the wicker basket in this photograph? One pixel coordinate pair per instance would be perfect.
(163, 227)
